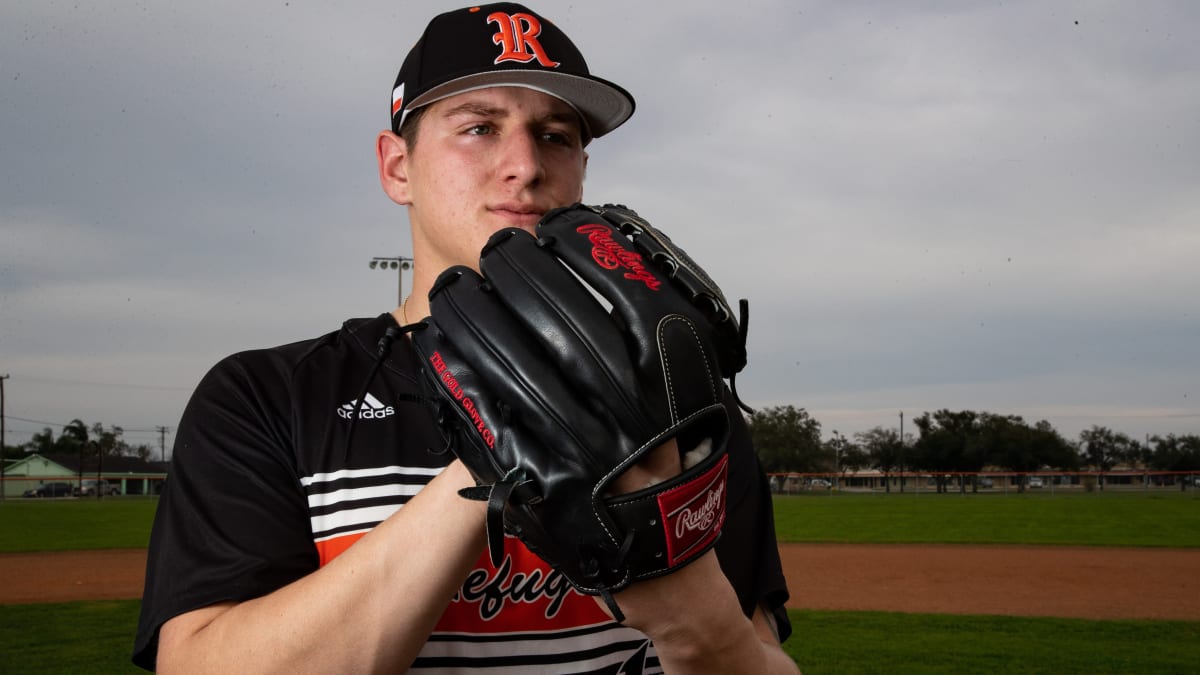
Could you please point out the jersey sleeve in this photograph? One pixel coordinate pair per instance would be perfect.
(232, 523)
(747, 549)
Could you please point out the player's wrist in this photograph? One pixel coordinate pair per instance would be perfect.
(696, 625)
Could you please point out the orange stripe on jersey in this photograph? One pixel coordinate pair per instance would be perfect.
(329, 549)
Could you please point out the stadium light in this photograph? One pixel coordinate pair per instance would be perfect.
(399, 263)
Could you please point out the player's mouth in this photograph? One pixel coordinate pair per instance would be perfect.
(518, 215)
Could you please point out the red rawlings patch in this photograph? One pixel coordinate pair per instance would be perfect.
(693, 513)
(610, 254)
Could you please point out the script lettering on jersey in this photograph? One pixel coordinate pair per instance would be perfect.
(454, 388)
(517, 36)
(610, 254)
(493, 589)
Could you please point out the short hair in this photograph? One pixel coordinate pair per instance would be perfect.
(411, 126)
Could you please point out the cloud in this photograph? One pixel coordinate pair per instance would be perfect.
(929, 205)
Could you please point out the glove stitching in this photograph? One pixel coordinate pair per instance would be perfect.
(666, 364)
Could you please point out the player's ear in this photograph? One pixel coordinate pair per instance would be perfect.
(391, 154)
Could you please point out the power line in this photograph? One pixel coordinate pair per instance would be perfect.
(121, 385)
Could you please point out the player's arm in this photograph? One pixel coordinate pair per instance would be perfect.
(697, 624)
(693, 614)
(370, 609)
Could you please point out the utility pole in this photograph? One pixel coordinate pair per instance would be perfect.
(162, 442)
(901, 451)
(3, 438)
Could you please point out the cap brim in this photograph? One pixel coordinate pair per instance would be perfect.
(603, 105)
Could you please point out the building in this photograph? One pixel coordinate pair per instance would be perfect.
(128, 475)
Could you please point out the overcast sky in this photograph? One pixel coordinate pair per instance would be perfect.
(966, 205)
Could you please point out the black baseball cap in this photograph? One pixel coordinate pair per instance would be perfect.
(499, 45)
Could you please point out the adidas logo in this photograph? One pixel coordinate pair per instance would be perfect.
(371, 410)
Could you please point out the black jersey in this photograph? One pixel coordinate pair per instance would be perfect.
(263, 490)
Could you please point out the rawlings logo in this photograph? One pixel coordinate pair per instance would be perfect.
(703, 517)
(693, 513)
(455, 389)
(611, 255)
(518, 38)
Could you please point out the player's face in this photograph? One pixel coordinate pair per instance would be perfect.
(486, 160)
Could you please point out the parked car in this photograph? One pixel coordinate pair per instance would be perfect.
(819, 483)
(91, 487)
(1036, 482)
(985, 482)
(51, 490)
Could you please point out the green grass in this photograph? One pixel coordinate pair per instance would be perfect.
(881, 642)
(75, 524)
(75, 637)
(1157, 519)
(1113, 519)
(97, 637)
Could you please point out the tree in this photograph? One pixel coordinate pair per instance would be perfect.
(73, 437)
(85, 441)
(845, 454)
(41, 442)
(883, 450)
(786, 439)
(1176, 453)
(952, 442)
(1103, 448)
(854, 458)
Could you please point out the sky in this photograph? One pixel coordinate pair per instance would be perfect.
(987, 206)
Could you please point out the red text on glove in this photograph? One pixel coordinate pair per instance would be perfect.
(455, 389)
(610, 255)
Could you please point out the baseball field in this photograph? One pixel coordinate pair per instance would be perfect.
(901, 583)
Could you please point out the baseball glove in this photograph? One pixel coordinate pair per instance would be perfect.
(572, 356)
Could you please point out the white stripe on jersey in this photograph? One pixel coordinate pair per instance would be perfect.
(370, 473)
(355, 494)
(339, 503)
(547, 651)
(366, 517)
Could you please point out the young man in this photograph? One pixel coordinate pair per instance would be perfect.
(285, 543)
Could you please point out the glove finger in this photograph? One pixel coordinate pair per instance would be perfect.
(600, 255)
(691, 280)
(665, 331)
(528, 402)
(577, 331)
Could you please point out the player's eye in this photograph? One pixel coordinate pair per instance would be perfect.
(558, 137)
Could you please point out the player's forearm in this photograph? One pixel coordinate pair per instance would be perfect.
(370, 609)
(694, 617)
(721, 644)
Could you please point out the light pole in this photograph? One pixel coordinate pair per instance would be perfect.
(398, 263)
(3, 436)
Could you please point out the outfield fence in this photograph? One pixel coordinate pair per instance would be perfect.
(979, 482)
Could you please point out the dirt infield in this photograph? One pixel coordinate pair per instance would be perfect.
(1082, 582)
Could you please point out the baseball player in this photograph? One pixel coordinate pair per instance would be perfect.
(315, 519)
